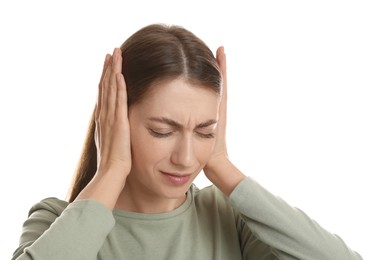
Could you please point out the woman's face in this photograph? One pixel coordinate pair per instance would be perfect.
(172, 137)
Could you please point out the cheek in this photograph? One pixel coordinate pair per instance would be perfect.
(146, 150)
(204, 151)
(141, 149)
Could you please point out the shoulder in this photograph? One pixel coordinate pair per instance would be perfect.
(40, 217)
(51, 205)
(210, 191)
(211, 198)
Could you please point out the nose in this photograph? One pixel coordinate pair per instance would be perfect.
(183, 153)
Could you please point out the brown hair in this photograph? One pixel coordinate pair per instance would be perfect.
(154, 53)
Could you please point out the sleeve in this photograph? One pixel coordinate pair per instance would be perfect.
(286, 231)
(76, 232)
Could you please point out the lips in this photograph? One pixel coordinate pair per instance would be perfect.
(176, 178)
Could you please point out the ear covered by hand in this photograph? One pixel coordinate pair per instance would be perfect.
(112, 135)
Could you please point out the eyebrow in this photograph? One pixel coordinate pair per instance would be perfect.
(175, 124)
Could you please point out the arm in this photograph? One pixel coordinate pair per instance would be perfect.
(52, 232)
(287, 231)
(82, 227)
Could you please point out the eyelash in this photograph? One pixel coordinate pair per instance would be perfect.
(164, 135)
(208, 136)
(159, 135)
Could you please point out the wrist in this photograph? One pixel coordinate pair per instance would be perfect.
(104, 188)
(224, 174)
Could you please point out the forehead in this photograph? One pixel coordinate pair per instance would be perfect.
(181, 100)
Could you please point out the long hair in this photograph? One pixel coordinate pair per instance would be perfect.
(154, 53)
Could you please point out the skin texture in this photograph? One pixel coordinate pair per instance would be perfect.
(125, 180)
(172, 132)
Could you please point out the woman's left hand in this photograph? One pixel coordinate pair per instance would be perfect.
(220, 149)
(219, 170)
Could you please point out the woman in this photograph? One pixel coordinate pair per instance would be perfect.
(150, 136)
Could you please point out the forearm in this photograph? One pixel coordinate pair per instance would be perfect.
(286, 229)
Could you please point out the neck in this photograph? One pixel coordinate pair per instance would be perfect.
(138, 198)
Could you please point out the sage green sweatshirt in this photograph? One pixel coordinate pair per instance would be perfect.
(250, 224)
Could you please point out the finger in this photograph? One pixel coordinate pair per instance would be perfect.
(97, 135)
(112, 88)
(117, 62)
(99, 97)
(122, 109)
(221, 127)
(105, 64)
(121, 97)
(221, 60)
(108, 89)
(115, 68)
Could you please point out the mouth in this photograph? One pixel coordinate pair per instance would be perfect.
(177, 178)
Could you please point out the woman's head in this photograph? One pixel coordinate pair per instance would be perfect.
(154, 57)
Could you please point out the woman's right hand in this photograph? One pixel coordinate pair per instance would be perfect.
(112, 135)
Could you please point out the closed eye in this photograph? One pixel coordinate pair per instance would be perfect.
(209, 135)
(159, 134)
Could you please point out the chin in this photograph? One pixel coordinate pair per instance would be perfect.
(175, 192)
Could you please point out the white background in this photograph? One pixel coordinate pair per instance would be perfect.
(300, 98)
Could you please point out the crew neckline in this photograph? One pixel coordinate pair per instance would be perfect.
(155, 216)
